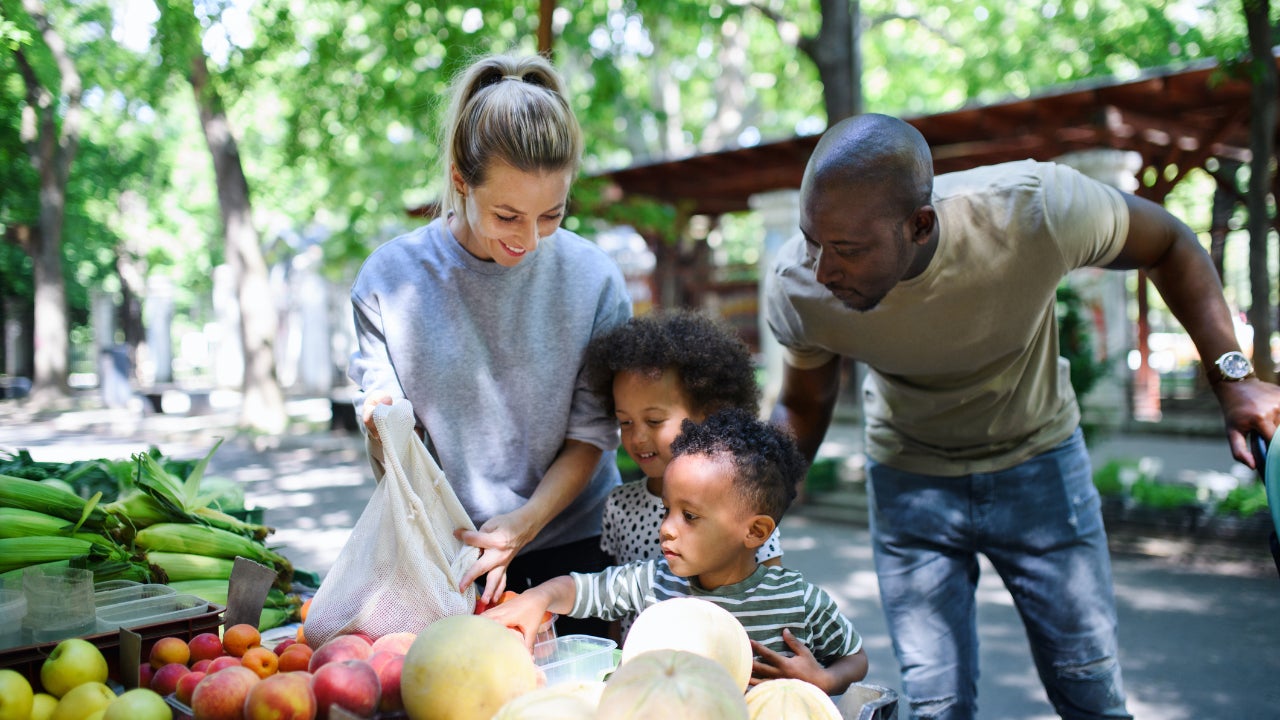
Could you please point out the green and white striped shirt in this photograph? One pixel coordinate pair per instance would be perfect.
(770, 599)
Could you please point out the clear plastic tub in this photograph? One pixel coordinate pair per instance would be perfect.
(148, 611)
(59, 602)
(13, 608)
(574, 657)
(136, 591)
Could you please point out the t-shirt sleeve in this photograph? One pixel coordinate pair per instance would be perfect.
(588, 421)
(1088, 219)
(834, 635)
(611, 593)
(785, 277)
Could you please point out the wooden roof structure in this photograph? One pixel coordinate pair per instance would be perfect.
(1179, 117)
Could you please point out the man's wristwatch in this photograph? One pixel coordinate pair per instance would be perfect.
(1232, 366)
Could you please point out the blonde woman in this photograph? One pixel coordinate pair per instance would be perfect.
(481, 318)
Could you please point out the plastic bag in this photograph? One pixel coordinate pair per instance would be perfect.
(399, 570)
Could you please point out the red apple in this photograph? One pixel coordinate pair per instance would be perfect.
(221, 695)
(187, 686)
(280, 647)
(145, 673)
(388, 666)
(395, 642)
(281, 697)
(201, 665)
(165, 681)
(343, 647)
(222, 663)
(349, 684)
(205, 646)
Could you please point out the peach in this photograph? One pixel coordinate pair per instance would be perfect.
(349, 684)
(187, 685)
(169, 650)
(202, 665)
(260, 660)
(222, 663)
(343, 647)
(221, 695)
(294, 658)
(281, 697)
(395, 642)
(239, 638)
(145, 673)
(283, 645)
(363, 636)
(389, 666)
(205, 646)
(165, 681)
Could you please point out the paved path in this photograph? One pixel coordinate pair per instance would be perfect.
(1196, 642)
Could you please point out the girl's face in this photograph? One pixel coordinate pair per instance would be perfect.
(504, 219)
(650, 412)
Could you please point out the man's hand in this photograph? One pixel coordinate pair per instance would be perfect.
(1248, 405)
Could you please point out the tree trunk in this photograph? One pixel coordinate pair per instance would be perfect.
(1225, 199)
(52, 151)
(262, 405)
(1262, 112)
(731, 90)
(546, 12)
(836, 54)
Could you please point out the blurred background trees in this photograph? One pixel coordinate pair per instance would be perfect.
(147, 148)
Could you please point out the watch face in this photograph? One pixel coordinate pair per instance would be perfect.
(1234, 365)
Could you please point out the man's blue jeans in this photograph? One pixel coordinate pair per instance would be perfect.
(1040, 525)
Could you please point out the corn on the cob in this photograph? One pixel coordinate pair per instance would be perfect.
(205, 540)
(137, 510)
(212, 590)
(189, 566)
(16, 522)
(32, 495)
(20, 552)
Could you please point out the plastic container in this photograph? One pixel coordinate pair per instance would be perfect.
(136, 591)
(575, 657)
(149, 611)
(59, 603)
(13, 608)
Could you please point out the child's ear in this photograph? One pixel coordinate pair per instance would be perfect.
(759, 530)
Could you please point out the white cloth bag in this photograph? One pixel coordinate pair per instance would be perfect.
(400, 568)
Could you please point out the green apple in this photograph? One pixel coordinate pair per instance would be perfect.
(43, 705)
(16, 696)
(83, 701)
(138, 704)
(73, 662)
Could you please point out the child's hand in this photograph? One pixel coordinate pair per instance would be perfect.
(523, 612)
(801, 666)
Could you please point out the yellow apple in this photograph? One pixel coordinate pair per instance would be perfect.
(43, 705)
(16, 696)
(83, 701)
(138, 704)
(73, 662)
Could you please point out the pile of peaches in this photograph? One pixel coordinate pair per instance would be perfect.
(236, 678)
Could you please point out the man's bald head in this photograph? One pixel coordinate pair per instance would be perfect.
(883, 155)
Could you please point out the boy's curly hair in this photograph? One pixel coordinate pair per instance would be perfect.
(712, 363)
(768, 467)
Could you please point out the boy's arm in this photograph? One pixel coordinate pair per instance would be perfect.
(525, 612)
(802, 665)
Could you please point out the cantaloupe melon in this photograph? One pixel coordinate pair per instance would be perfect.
(668, 684)
(697, 626)
(563, 701)
(464, 667)
(790, 699)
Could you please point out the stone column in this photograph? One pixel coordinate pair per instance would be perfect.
(1104, 291)
(780, 212)
(224, 332)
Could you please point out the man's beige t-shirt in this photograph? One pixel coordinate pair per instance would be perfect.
(965, 374)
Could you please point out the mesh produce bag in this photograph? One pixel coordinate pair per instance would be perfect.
(400, 568)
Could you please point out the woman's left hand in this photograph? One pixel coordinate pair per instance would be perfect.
(499, 539)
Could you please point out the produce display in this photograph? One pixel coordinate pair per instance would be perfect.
(148, 519)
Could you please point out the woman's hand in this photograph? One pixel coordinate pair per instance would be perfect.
(499, 540)
(366, 411)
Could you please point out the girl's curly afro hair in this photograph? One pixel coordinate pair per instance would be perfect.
(712, 363)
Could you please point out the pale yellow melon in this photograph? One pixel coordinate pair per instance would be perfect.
(790, 699)
(464, 667)
(575, 700)
(669, 684)
(697, 626)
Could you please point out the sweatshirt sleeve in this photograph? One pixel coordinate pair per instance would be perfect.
(588, 421)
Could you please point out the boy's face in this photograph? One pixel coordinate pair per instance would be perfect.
(649, 414)
(706, 529)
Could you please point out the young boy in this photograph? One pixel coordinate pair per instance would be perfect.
(654, 372)
(727, 486)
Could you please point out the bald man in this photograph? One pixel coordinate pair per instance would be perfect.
(945, 289)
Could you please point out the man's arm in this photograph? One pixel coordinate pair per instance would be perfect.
(806, 402)
(1184, 275)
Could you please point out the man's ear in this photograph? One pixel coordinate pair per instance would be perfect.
(759, 530)
(923, 222)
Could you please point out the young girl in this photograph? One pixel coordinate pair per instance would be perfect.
(654, 372)
(456, 317)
